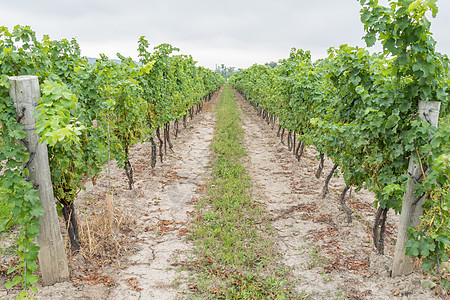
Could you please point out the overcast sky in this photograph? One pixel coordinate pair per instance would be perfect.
(236, 32)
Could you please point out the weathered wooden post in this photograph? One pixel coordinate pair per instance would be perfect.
(52, 258)
(411, 208)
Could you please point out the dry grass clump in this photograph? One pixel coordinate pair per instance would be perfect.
(106, 235)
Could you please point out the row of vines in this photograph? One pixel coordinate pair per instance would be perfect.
(87, 113)
(361, 111)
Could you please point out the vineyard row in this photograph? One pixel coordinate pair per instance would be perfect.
(88, 113)
(372, 115)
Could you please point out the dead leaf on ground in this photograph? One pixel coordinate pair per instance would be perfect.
(193, 201)
(326, 232)
(92, 277)
(133, 284)
(323, 218)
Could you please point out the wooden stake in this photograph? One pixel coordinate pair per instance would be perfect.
(411, 208)
(52, 257)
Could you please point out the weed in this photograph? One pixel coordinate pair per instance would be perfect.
(6, 219)
(326, 277)
(315, 259)
(340, 295)
(10, 250)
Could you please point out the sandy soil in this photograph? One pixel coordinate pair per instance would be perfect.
(330, 258)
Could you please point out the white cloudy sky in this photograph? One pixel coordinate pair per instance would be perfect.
(235, 32)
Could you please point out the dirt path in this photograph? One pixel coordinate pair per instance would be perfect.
(330, 258)
(165, 204)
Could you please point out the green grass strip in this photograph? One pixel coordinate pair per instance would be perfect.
(235, 253)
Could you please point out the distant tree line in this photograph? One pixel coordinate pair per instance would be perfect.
(227, 72)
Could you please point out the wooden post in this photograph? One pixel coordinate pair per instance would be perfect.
(411, 208)
(52, 257)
